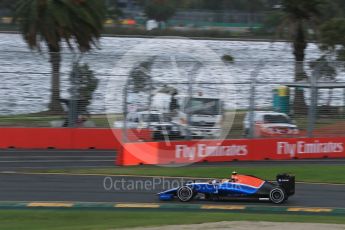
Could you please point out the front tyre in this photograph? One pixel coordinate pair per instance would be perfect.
(185, 194)
(277, 196)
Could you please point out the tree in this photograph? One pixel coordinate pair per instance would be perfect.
(159, 10)
(333, 40)
(76, 22)
(326, 72)
(140, 77)
(84, 83)
(333, 37)
(273, 21)
(8, 4)
(300, 15)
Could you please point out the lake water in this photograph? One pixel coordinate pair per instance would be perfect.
(25, 75)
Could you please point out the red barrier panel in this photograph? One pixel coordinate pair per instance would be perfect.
(96, 139)
(67, 138)
(186, 152)
(28, 138)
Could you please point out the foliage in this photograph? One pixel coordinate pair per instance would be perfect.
(300, 16)
(140, 77)
(325, 69)
(233, 5)
(273, 20)
(302, 9)
(84, 83)
(341, 55)
(114, 12)
(8, 4)
(333, 37)
(228, 58)
(73, 21)
(159, 10)
(77, 22)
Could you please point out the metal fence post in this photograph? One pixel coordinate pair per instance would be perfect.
(125, 113)
(150, 101)
(252, 107)
(190, 96)
(312, 110)
(253, 82)
(343, 102)
(73, 111)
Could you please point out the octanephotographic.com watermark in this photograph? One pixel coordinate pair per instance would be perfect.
(144, 184)
(182, 70)
(158, 184)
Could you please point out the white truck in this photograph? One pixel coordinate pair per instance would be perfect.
(198, 116)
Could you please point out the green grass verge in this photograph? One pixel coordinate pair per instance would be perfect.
(305, 173)
(98, 220)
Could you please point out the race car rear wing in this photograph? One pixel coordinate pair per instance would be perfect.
(287, 182)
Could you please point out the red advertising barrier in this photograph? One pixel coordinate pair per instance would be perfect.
(178, 152)
(186, 152)
(67, 138)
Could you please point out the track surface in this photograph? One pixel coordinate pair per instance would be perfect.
(52, 159)
(33, 187)
(48, 187)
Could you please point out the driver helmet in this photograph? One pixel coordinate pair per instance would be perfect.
(234, 176)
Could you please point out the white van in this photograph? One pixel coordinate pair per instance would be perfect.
(270, 124)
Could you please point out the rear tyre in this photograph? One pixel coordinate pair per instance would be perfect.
(185, 194)
(278, 195)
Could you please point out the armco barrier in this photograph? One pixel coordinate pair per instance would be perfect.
(66, 138)
(184, 152)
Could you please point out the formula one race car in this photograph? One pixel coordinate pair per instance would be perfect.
(237, 187)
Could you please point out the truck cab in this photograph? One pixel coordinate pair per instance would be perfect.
(199, 116)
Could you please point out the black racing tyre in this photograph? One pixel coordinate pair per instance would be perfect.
(208, 197)
(185, 194)
(277, 195)
(212, 197)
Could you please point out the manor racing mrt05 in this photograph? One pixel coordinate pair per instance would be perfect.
(236, 187)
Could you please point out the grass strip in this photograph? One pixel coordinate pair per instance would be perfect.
(99, 220)
(305, 173)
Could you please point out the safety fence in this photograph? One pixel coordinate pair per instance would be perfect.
(250, 100)
(174, 98)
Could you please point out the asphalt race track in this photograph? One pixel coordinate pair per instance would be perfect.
(18, 186)
(90, 188)
(52, 159)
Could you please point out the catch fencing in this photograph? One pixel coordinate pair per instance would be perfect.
(175, 100)
(252, 100)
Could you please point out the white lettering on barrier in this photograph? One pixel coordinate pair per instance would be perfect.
(302, 147)
(204, 150)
